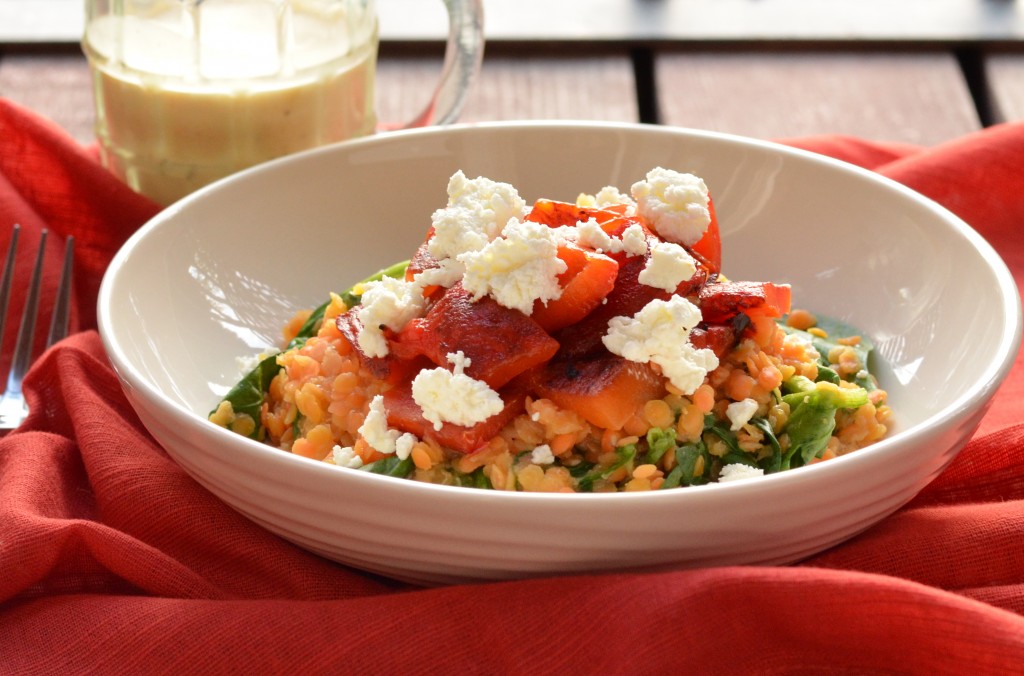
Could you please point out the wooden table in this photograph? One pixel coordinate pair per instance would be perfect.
(914, 71)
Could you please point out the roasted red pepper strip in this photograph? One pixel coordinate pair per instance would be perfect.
(554, 213)
(719, 338)
(605, 390)
(628, 297)
(424, 260)
(500, 342)
(589, 277)
(722, 301)
(709, 247)
(389, 368)
(406, 415)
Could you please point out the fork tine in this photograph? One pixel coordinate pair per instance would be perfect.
(5, 281)
(62, 305)
(23, 348)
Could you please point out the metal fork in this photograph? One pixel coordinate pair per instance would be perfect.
(13, 409)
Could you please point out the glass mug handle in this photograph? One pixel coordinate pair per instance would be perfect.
(463, 54)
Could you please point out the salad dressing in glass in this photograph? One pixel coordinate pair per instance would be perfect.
(176, 112)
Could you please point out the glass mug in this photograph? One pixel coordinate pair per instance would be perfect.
(190, 91)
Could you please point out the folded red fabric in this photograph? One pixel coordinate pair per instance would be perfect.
(113, 559)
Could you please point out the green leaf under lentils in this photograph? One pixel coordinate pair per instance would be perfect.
(659, 442)
(687, 457)
(734, 454)
(247, 395)
(835, 330)
(392, 465)
(772, 463)
(625, 455)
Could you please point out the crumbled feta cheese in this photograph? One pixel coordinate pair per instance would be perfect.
(404, 444)
(452, 396)
(518, 268)
(542, 455)
(659, 333)
(668, 266)
(737, 471)
(379, 436)
(345, 457)
(610, 196)
(446, 274)
(634, 240)
(389, 302)
(590, 234)
(477, 211)
(676, 205)
(459, 361)
(739, 413)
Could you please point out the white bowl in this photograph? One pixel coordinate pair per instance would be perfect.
(214, 277)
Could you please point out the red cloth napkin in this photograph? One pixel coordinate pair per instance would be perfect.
(113, 559)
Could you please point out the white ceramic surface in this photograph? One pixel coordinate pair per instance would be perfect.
(215, 276)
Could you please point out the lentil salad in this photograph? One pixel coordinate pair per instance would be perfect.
(577, 346)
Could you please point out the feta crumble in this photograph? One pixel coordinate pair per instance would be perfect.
(542, 455)
(737, 471)
(676, 205)
(634, 240)
(404, 445)
(380, 437)
(659, 333)
(445, 274)
(390, 303)
(588, 233)
(452, 396)
(518, 268)
(477, 211)
(668, 266)
(739, 413)
(608, 196)
(345, 457)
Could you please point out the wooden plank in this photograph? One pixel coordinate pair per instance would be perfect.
(597, 87)
(915, 97)
(27, 21)
(1005, 77)
(57, 85)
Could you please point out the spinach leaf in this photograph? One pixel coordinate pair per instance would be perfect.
(812, 417)
(799, 390)
(735, 454)
(309, 327)
(390, 466)
(475, 479)
(687, 457)
(828, 375)
(809, 427)
(625, 456)
(247, 395)
(659, 442)
(772, 463)
(836, 329)
(581, 469)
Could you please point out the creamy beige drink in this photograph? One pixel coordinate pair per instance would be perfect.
(192, 92)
